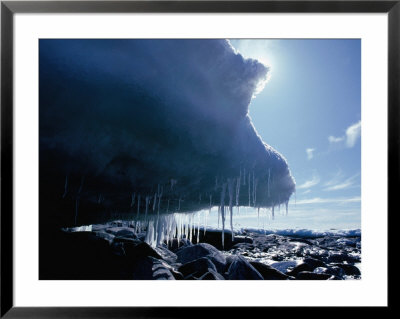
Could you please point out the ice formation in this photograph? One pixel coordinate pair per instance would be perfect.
(230, 191)
(163, 227)
(154, 126)
(138, 206)
(222, 210)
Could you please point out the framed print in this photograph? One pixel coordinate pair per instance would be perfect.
(245, 151)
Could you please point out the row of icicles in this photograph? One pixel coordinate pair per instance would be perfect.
(166, 227)
(163, 228)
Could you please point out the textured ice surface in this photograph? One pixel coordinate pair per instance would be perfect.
(163, 120)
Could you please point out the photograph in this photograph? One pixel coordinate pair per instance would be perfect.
(200, 159)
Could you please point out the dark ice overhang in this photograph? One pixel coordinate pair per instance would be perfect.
(128, 122)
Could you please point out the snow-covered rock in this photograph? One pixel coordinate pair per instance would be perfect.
(197, 267)
(268, 272)
(241, 269)
(197, 251)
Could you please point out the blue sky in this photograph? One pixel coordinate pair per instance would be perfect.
(310, 111)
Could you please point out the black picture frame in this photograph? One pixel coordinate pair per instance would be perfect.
(9, 8)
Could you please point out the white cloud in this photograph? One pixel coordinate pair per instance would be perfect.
(333, 139)
(335, 185)
(353, 133)
(310, 183)
(310, 153)
(337, 178)
(318, 200)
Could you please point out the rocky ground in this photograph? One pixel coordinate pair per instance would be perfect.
(115, 251)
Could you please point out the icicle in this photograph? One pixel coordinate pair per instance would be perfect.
(178, 225)
(65, 187)
(205, 222)
(190, 228)
(254, 186)
(147, 206)
(198, 228)
(193, 228)
(161, 232)
(168, 230)
(179, 229)
(187, 227)
(237, 190)
(159, 200)
(287, 207)
(223, 225)
(219, 215)
(264, 225)
(206, 215)
(138, 207)
(174, 226)
(172, 229)
(223, 191)
(157, 230)
(150, 233)
(154, 202)
(155, 236)
(133, 199)
(184, 227)
(258, 216)
(147, 237)
(255, 183)
(137, 227)
(273, 212)
(173, 183)
(249, 190)
(269, 176)
(230, 191)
